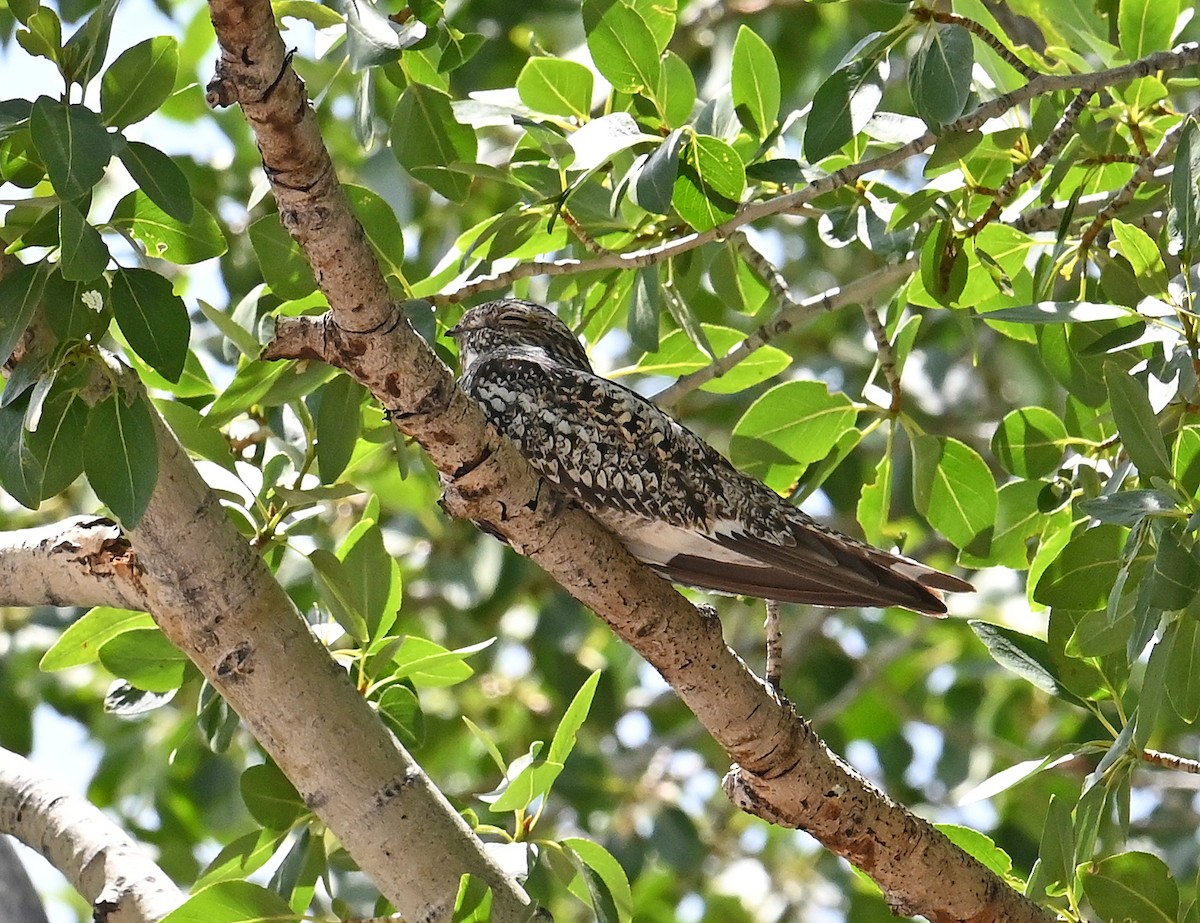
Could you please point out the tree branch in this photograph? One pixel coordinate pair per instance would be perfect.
(104, 865)
(85, 561)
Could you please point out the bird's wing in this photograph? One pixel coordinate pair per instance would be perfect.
(676, 502)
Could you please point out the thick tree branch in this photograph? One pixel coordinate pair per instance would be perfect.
(85, 561)
(104, 865)
(488, 482)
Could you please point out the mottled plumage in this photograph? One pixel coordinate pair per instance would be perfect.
(671, 499)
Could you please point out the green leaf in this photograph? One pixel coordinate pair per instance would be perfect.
(622, 46)
(80, 643)
(1183, 216)
(939, 77)
(1132, 886)
(1143, 254)
(160, 178)
(1084, 572)
(1146, 26)
(979, 845)
(841, 107)
(431, 666)
(145, 659)
(283, 266)
(120, 455)
(755, 83)
(710, 183)
(242, 857)
(139, 81)
(1030, 442)
(527, 780)
(84, 53)
(56, 443)
(20, 294)
(339, 422)
(1022, 654)
(231, 902)
(678, 355)
(1055, 867)
(1176, 572)
(1136, 423)
(1060, 312)
(336, 588)
(72, 143)
(1185, 463)
(556, 86)
(875, 501)
(601, 862)
(84, 254)
(1183, 668)
(43, 37)
(953, 488)
(790, 427)
(572, 720)
(645, 309)
(473, 903)
(372, 577)
(402, 709)
(597, 142)
(270, 797)
(655, 182)
(20, 470)
(427, 140)
(152, 318)
(164, 237)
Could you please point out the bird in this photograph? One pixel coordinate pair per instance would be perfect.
(675, 503)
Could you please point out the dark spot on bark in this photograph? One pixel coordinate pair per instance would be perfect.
(474, 463)
(394, 788)
(237, 662)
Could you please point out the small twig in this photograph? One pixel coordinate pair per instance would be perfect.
(1184, 56)
(984, 34)
(780, 290)
(590, 244)
(774, 668)
(1032, 168)
(885, 354)
(1125, 194)
(1171, 761)
(856, 291)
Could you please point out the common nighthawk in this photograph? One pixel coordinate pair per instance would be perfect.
(667, 495)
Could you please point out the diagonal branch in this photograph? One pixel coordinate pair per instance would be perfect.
(111, 871)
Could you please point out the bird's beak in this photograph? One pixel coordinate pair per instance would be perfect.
(453, 331)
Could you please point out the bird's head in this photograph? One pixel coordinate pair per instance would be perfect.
(512, 323)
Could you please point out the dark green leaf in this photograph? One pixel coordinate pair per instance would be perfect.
(1083, 574)
(1132, 886)
(1183, 217)
(145, 659)
(152, 318)
(1176, 572)
(20, 470)
(426, 140)
(599, 862)
(1183, 668)
(939, 77)
(283, 266)
(655, 182)
(1127, 507)
(72, 143)
(273, 800)
(710, 183)
(645, 310)
(339, 421)
(371, 578)
(20, 293)
(160, 178)
(139, 81)
(843, 104)
(84, 255)
(1136, 423)
(1025, 655)
(120, 455)
(400, 706)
